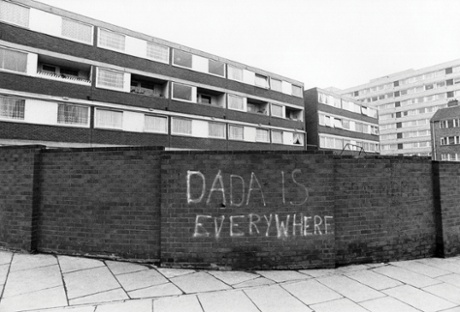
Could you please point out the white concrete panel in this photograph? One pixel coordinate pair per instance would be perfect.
(127, 82)
(45, 22)
(200, 128)
(136, 47)
(41, 112)
(250, 134)
(200, 63)
(249, 77)
(286, 87)
(133, 121)
(288, 138)
(32, 62)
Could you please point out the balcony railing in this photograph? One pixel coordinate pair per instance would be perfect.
(70, 79)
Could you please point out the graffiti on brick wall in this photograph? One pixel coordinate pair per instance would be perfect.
(235, 191)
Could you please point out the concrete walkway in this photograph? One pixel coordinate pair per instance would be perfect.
(70, 284)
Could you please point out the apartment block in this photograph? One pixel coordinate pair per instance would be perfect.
(445, 133)
(70, 80)
(340, 123)
(406, 101)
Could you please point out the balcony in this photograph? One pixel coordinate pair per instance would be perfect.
(63, 70)
(148, 86)
(257, 107)
(210, 97)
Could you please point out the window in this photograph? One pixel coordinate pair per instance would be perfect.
(277, 110)
(13, 60)
(156, 124)
(111, 40)
(157, 52)
(396, 84)
(235, 73)
(77, 30)
(216, 68)
(12, 108)
(15, 14)
(182, 92)
(296, 91)
(109, 119)
(72, 114)
(277, 137)
(276, 85)
(203, 98)
(236, 132)
(110, 78)
(181, 126)
(449, 70)
(235, 102)
(261, 81)
(262, 135)
(182, 58)
(216, 130)
(298, 139)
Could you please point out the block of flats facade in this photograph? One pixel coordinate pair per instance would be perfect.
(69, 80)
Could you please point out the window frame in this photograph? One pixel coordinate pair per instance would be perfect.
(156, 116)
(173, 124)
(173, 88)
(230, 137)
(103, 86)
(96, 122)
(99, 38)
(73, 124)
(2, 68)
(64, 19)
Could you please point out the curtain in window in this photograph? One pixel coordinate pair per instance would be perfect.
(277, 137)
(12, 108)
(236, 132)
(158, 52)
(110, 78)
(235, 73)
(109, 119)
(13, 13)
(182, 126)
(235, 102)
(277, 110)
(262, 135)
(76, 30)
(156, 124)
(72, 114)
(111, 40)
(216, 130)
(13, 60)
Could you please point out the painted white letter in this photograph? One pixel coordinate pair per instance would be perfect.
(306, 189)
(253, 223)
(231, 190)
(220, 189)
(251, 188)
(281, 227)
(191, 200)
(233, 224)
(199, 225)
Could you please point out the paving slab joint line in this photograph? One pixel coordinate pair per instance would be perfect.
(6, 278)
(63, 281)
(97, 293)
(118, 281)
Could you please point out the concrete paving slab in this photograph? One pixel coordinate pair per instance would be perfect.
(387, 304)
(141, 279)
(41, 299)
(163, 290)
(106, 296)
(5, 257)
(453, 279)
(452, 310)
(4, 269)
(89, 282)
(131, 305)
(452, 266)
(260, 281)
(89, 308)
(373, 280)
(283, 276)
(445, 291)
(71, 264)
(311, 292)
(352, 268)
(319, 273)
(227, 301)
(124, 267)
(177, 304)
(33, 280)
(28, 262)
(342, 305)
(406, 276)
(421, 268)
(233, 277)
(275, 299)
(350, 288)
(198, 282)
(169, 273)
(419, 299)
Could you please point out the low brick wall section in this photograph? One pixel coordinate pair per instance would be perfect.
(238, 210)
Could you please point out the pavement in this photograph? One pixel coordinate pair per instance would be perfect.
(55, 283)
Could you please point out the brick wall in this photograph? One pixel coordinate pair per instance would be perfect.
(240, 209)
(101, 202)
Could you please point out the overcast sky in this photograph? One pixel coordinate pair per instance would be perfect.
(323, 43)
